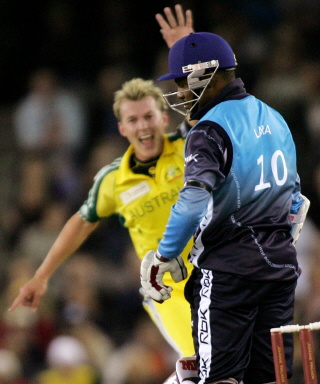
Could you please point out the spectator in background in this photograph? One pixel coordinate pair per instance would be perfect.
(102, 121)
(145, 358)
(290, 85)
(73, 307)
(36, 238)
(25, 333)
(311, 127)
(68, 363)
(10, 368)
(51, 121)
(50, 118)
(28, 200)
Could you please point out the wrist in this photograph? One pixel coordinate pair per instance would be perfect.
(161, 258)
(39, 276)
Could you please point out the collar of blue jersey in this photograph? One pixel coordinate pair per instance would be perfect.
(233, 91)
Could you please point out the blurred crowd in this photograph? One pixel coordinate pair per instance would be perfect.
(55, 136)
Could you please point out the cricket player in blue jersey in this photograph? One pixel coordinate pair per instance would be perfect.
(240, 194)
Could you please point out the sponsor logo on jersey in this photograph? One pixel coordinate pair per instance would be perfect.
(192, 157)
(204, 320)
(135, 192)
(172, 173)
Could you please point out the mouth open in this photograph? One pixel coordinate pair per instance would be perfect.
(146, 139)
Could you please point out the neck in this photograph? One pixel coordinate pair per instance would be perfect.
(146, 167)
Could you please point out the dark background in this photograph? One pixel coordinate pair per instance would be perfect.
(78, 38)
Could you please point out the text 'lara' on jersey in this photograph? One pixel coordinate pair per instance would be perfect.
(243, 150)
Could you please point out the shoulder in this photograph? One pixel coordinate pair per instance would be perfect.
(181, 131)
(107, 170)
(105, 176)
(172, 145)
(102, 185)
(174, 137)
(208, 130)
(210, 139)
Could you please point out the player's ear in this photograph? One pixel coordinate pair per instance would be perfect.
(121, 129)
(166, 118)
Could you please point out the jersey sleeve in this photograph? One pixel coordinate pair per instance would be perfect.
(206, 161)
(185, 217)
(208, 156)
(101, 201)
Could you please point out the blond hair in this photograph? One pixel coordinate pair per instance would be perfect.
(136, 90)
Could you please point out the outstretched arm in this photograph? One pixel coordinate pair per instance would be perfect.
(73, 234)
(174, 27)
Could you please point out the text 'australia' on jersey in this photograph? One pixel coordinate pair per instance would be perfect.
(143, 202)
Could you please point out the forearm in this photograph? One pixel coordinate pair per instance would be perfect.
(185, 216)
(71, 237)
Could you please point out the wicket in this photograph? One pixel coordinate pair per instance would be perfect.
(307, 351)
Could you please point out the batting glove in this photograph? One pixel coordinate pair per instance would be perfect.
(153, 267)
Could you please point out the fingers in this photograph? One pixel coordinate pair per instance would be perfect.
(158, 294)
(24, 300)
(162, 22)
(180, 14)
(15, 304)
(33, 302)
(173, 21)
(189, 19)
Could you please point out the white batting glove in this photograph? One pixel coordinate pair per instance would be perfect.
(153, 267)
(299, 218)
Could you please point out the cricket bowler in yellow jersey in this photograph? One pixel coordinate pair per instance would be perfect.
(143, 201)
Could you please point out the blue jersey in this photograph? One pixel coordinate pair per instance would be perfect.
(244, 152)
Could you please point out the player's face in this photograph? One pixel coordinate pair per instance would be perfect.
(143, 124)
(183, 93)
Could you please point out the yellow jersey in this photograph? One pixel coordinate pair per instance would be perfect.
(143, 203)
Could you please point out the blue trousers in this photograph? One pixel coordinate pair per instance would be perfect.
(232, 318)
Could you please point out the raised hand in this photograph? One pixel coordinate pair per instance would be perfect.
(174, 27)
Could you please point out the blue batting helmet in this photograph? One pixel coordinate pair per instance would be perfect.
(198, 48)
